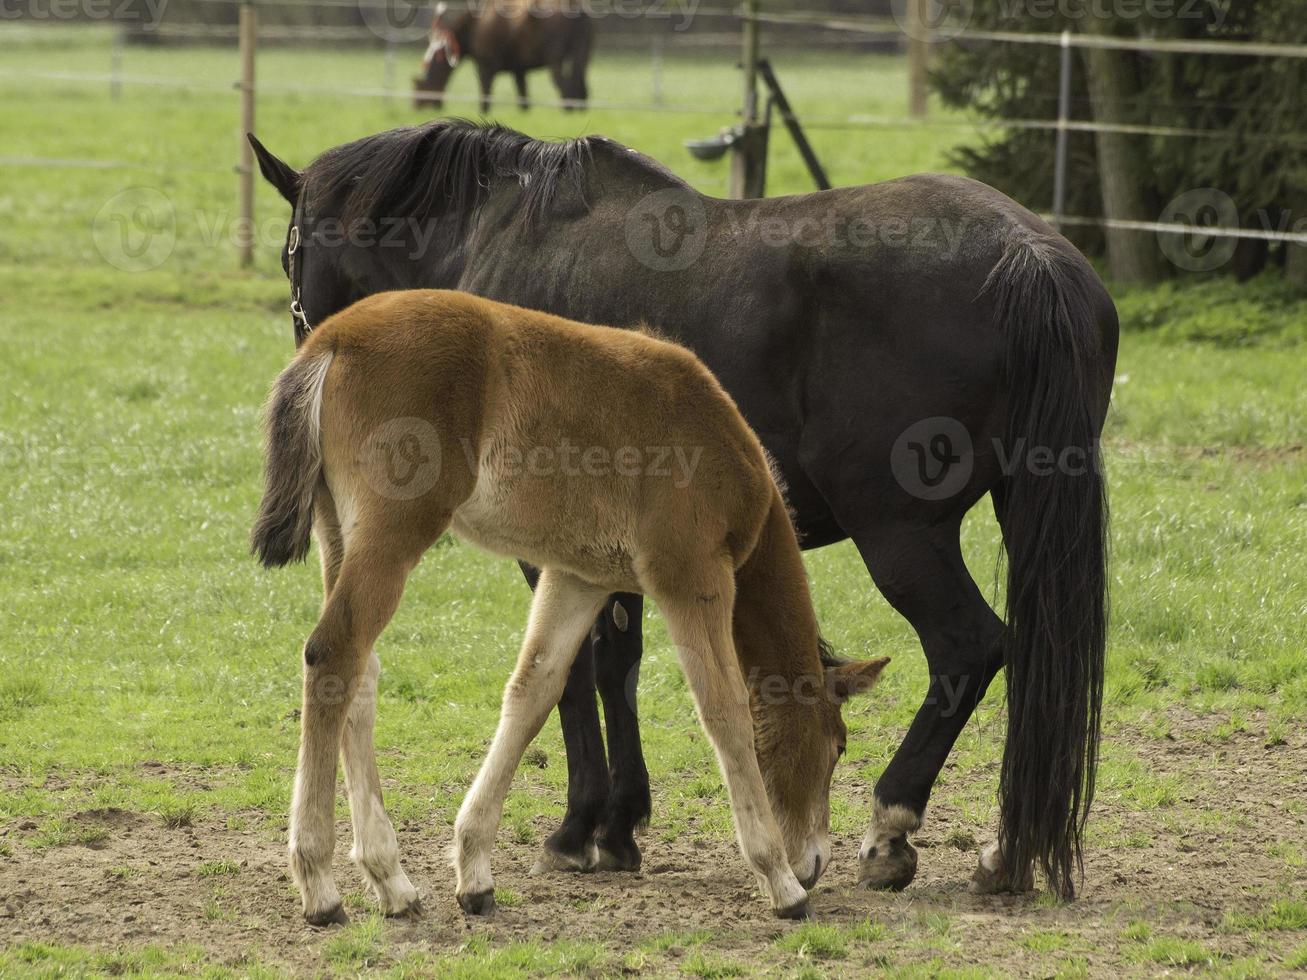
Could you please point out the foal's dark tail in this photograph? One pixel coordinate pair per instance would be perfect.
(1054, 517)
(292, 462)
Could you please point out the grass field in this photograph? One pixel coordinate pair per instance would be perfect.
(149, 671)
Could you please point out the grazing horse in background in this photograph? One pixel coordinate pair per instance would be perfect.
(516, 36)
(465, 390)
(902, 349)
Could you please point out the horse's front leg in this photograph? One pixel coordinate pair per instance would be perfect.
(486, 74)
(523, 100)
(561, 615)
(698, 618)
(618, 645)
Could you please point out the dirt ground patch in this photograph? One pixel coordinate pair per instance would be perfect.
(1201, 870)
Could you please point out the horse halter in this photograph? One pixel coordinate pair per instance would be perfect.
(297, 314)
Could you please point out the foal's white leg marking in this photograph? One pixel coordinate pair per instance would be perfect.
(706, 651)
(312, 838)
(887, 824)
(562, 613)
(376, 851)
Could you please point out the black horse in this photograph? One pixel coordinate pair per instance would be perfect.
(902, 349)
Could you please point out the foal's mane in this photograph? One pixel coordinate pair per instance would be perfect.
(444, 168)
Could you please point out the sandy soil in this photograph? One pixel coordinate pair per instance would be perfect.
(1199, 867)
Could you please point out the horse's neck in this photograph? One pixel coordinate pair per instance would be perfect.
(774, 623)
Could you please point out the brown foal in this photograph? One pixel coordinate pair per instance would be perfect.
(610, 459)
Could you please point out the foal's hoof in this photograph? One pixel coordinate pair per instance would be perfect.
(334, 916)
(551, 859)
(799, 910)
(618, 856)
(889, 866)
(993, 878)
(478, 903)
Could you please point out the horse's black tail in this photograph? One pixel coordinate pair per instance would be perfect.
(1053, 506)
(292, 462)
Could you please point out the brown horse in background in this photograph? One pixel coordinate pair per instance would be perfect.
(612, 461)
(515, 36)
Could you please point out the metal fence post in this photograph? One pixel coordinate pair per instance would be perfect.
(249, 35)
(1063, 117)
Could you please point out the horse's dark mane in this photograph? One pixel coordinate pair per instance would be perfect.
(443, 168)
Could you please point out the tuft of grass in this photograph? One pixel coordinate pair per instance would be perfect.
(812, 940)
(177, 814)
(1046, 941)
(1282, 914)
(1137, 932)
(1173, 951)
(217, 869)
(61, 832)
(710, 966)
(357, 946)
(1297, 960)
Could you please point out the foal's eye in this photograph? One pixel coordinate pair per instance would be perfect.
(839, 752)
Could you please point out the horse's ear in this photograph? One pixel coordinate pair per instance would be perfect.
(278, 173)
(848, 680)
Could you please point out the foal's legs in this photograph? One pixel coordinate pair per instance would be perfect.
(700, 625)
(376, 851)
(561, 615)
(367, 590)
(571, 846)
(922, 574)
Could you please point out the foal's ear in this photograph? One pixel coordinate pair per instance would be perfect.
(276, 172)
(848, 680)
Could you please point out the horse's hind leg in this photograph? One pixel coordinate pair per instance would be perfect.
(922, 573)
(376, 851)
(561, 615)
(699, 620)
(364, 596)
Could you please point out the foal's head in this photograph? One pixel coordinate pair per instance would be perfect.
(800, 736)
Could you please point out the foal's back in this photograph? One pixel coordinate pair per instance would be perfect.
(603, 452)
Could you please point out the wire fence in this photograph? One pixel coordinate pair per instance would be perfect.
(726, 23)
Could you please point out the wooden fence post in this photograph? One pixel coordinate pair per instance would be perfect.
(918, 14)
(249, 35)
(749, 154)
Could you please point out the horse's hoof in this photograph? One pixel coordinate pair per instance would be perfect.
(551, 859)
(411, 911)
(799, 910)
(615, 856)
(888, 866)
(334, 916)
(478, 903)
(992, 877)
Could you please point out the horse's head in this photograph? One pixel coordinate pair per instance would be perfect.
(318, 257)
(444, 52)
(799, 735)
